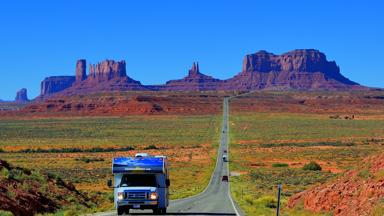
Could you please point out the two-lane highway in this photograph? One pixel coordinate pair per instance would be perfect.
(216, 198)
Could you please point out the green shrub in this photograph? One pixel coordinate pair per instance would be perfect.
(150, 147)
(11, 194)
(306, 144)
(35, 175)
(2, 150)
(364, 174)
(111, 197)
(16, 174)
(5, 213)
(4, 173)
(267, 201)
(279, 165)
(249, 199)
(51, 175)
(313, 166)
(75, 150)
(89, 160)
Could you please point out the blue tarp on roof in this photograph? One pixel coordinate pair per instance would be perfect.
(144, 164)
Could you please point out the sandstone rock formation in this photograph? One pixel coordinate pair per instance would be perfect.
(107, 75)
(107, 70)
(21, 96)
(298, 69)
(55, 84)
(305, 69)
(81, 70)
(195, 81)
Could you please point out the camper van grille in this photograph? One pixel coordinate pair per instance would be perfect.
(136, 195)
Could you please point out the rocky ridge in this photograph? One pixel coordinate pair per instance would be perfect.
(21, 96)
(356, 193)
(21, 192)
(304, 69)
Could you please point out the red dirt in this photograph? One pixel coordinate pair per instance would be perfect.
(352, 194)
(346, 103)
(362, 105)
(116, 104)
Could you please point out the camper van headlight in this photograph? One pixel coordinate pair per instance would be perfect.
(120, 196)
(153, 196)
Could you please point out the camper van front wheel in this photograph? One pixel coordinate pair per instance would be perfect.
(120, 211)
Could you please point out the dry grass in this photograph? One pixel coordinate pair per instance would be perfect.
(189, 142)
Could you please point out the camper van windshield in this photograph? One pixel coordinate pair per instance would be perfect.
(138, 180)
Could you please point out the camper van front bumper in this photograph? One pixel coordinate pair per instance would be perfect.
(139, 204)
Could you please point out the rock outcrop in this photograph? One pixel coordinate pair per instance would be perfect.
(55, 84)
(107, 75)
(305, 69)
(81, 70)
(355, 193)
(195, 81)
(107, 70)
(21, 96)
(21, 192)
(298, 69)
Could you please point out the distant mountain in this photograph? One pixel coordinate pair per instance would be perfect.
(304, 69)
(21, 96)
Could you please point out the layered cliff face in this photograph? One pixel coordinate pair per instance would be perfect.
(304, 69)
(298, 69)
(54, 84)
(107, 75)
(195, 81)
(21, 96)
(107, 70)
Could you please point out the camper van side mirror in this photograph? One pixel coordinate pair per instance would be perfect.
(109, 182)
(168, 182)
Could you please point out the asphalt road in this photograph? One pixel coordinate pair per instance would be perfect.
(215, 199)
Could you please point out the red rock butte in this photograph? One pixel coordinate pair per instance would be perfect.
(303, 69)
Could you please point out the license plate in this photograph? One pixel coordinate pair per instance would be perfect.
(136, 206)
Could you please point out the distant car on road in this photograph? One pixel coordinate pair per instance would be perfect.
(224, 178)
(225, 151)
(225, 158)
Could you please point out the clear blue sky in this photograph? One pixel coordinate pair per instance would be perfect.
(160, 39)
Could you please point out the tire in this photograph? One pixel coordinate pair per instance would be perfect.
(156, 211)
(120, 210)
(126, 211)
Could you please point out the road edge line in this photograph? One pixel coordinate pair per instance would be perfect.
(229, 172)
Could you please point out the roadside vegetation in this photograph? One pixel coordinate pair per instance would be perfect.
(296, 150)
(80, 150)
